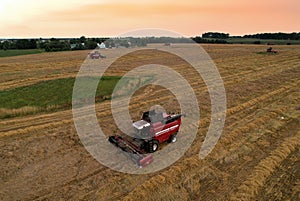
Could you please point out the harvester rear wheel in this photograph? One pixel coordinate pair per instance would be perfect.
(172, 139)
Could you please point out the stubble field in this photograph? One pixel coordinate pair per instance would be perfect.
(256, 158)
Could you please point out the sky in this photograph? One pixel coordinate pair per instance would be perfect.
(97, 18)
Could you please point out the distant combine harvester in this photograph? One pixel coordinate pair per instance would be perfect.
(270, 50)
(96, 55)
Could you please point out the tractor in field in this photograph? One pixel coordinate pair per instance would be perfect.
(153, 129)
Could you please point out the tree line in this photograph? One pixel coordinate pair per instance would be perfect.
(18, 44)
(53, 44)
(199, 39)
(276, 36)
(273, 36)
(84, 43)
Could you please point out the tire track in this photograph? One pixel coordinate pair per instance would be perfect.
(43, 125)
(59, 116)
(188, 163)
(250, 187)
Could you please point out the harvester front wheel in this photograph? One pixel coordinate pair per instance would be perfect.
(152, 146)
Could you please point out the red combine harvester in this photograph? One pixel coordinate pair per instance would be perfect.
(153, 129)
(96, 55)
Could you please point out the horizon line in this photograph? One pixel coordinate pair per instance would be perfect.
(73, 37)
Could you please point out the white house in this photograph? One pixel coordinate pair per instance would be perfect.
(101, 46)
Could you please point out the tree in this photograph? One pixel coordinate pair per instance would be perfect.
(198, 39)
(5, 45)
(110, 43)
(56, 45)
(215, 35)
(124, 43)
(82, 39)
(78, 46)
(26, 44)
(53, 39)
(90, 44)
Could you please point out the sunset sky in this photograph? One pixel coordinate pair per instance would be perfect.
(74, 18)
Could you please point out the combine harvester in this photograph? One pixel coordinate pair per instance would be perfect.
(96, 55)
(153, 129)
(270, 50)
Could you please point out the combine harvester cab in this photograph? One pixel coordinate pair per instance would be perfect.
(152, 130)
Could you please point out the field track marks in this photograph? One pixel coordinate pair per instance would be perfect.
(284, 183)
(261, 62)
(240, 136)
(86, 177)
(44, 122)
(97, 175)
(30, 81)
(265, 168)
(36, 119)
(16, 123)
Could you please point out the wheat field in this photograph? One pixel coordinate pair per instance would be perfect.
(256, 158)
